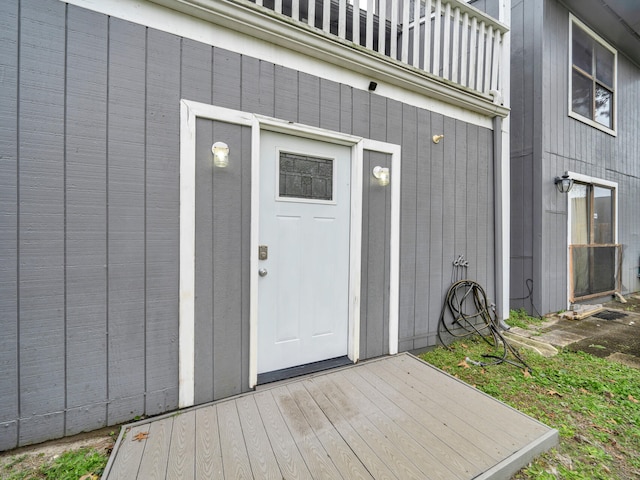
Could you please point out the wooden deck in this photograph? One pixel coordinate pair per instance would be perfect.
(395, 417)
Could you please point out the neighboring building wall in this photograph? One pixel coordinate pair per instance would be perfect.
(526, 146)
(539, 248)
(89, 218)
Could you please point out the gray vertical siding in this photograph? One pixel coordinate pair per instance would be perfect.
(9, 383)
(41, 242)
(89, 218)
(526, 145)
(85, 220)
(125, 220)
(164, 78)
(374, 291)
(546, 141)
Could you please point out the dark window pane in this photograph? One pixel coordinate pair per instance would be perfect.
(305, 177)
(604, 106)
(581, 95)
(604, 65)
(582, 49)
(594, 270)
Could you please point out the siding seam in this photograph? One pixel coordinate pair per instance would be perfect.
(64, 217)
(18, 69)
(106, 216)
(144, 208)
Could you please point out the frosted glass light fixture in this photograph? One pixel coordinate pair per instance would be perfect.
(220, 154)
(382, 174)
(564, 183)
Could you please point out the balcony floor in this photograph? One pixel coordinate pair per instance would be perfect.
(394, 417)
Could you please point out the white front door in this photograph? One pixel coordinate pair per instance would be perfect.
(303, 288)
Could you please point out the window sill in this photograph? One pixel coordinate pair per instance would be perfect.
(592, 123)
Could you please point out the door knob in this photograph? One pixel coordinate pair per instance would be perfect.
(262, 272)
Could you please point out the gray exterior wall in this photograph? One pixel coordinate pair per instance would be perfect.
(546, 142)
(89, 215)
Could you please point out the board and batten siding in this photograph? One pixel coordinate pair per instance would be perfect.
(89, 217)
(546, 142)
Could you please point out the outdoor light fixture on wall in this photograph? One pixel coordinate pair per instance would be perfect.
(382, 174)
(437, 138)
(564, 183)
(220, 152)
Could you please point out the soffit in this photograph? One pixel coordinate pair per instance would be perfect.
(618, 21)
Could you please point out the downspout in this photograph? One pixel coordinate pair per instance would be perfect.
(502, 173)
(501, 209)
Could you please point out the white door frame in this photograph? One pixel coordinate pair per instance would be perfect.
(189, 111)
(589, 180)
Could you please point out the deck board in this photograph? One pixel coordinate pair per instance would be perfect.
(263, 461)
(284, 446)
(406, 435)
(156, 450)
(235, 458)
(337, 448)
(457, 393)
(312, 451)
(208, 457)
(129, 459)
(389, 418)
(181, 461)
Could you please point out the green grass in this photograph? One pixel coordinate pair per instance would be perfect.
(592, 402)
(520, 318)
(71, 465)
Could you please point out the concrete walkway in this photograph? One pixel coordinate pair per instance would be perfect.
(617, 339)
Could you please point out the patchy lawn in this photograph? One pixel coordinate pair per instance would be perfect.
(592, 402)
(83, 457)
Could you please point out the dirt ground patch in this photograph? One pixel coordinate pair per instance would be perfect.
(26, 462)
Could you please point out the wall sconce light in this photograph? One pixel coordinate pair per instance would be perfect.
(220, 152)
(382, 174)
(373, 86)
(437, 138)
(564, 183)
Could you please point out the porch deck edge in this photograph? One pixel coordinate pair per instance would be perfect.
(518, 460)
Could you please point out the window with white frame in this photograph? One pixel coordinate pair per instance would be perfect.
(592, 78)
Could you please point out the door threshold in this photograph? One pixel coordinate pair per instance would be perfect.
(291, 372)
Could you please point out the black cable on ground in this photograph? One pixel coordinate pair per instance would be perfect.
(466, 302)
(529, 283)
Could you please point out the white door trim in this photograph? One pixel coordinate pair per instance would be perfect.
(589, 180)
(189, 111)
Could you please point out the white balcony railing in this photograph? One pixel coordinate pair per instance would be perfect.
(450, 40)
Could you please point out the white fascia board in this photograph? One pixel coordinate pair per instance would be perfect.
(275, 38)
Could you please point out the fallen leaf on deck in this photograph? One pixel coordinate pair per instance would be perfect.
(138, 437)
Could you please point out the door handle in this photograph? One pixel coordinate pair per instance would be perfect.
(262, 272)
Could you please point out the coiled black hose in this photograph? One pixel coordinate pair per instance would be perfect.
(471, 314)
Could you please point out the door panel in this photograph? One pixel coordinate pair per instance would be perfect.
(303, 312)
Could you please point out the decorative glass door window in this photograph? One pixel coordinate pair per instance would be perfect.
(304, 177)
